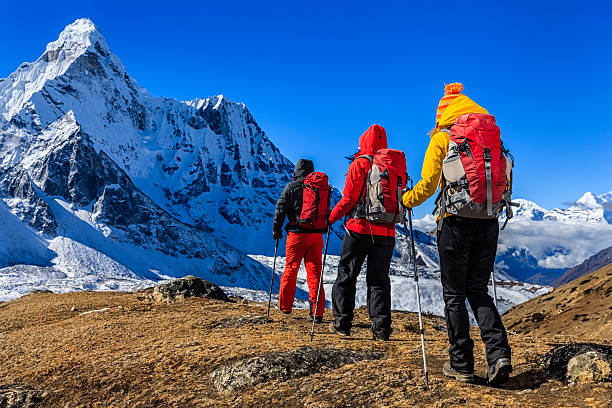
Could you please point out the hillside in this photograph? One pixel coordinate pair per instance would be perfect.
(143, 354)
(593, 263)
(581, 308)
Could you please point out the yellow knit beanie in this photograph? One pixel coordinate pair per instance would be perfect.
(451, 91)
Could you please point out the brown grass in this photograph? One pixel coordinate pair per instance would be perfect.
(143, 354)
(581, 307)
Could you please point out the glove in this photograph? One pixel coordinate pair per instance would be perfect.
(277, 235)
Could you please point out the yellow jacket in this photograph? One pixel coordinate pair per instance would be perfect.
(437, 150)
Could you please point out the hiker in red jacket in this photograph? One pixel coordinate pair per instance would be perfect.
(302, 244)
(363, 239)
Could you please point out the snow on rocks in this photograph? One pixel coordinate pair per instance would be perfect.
(403, 288)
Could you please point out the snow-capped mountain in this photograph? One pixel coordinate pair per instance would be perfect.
(205, 161)
(99, 179)
(105, 186)
(538, 245)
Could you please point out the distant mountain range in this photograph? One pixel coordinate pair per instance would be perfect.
(105, 186)
(593, 263)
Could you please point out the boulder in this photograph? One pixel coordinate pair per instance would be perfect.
(189, 286)
(588, 367)
(588, 362)
(283, 366)
(39, 292)
(14, 396)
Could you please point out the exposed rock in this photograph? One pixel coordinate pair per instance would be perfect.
(284, 366)
(589, 363)
(189, 286)
(589, 367)
(38, 291)
(14, 396)
(245, 320)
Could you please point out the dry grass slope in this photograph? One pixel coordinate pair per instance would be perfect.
(143, 354)
(581, 309)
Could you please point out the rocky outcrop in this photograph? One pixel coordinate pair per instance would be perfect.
(187, 287)
(589, 367)
(14, 396)
(283, 366)
(579, 363)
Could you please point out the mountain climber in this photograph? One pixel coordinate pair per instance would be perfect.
(303, 243)
(362, 239)
(467, 245)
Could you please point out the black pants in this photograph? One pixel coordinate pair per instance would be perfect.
(467, 249)
(355, 248)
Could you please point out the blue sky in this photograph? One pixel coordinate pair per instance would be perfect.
(317, 74)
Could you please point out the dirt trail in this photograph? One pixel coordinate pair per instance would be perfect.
(143, 354)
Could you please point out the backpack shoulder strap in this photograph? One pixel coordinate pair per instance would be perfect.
(366, 156)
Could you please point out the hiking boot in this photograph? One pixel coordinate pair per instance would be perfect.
(382, 336)
(318, 319)
(334, 329)
(449, 371)
(499, 372)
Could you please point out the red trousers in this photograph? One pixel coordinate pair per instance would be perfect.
(309, 247)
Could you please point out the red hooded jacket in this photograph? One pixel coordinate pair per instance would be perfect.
(374, 139)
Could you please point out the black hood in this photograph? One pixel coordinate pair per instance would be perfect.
(302, 169)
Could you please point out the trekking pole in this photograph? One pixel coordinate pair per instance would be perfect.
(494, 289)
(272, 277)
(418, 293)
(316, 305)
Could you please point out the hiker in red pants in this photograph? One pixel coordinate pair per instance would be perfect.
(300, 203)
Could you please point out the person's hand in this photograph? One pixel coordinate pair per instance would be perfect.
(404, 192)
(329, 222)
(277, 235)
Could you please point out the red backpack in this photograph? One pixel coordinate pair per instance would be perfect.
(383, 190)
(316, 200)
(477, 171)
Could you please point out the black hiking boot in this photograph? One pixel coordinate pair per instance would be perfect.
(499, 372)
(382, 336)
(334, 329)
(449, 371)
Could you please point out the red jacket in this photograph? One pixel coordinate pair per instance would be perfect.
(374, 139)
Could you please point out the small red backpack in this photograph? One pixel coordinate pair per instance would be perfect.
(383, 190)
(316, 201)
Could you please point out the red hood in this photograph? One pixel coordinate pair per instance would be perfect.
(374, 139)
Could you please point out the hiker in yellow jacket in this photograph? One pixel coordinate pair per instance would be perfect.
(467, 248)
